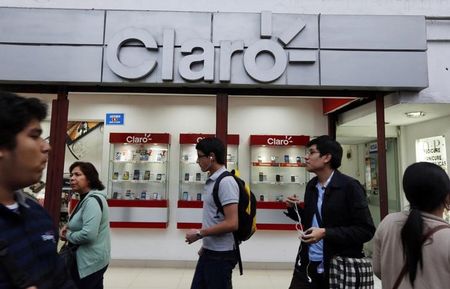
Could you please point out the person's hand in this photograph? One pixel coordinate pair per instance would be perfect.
(192, 236)
(32, 287)
(291, 200)
(63, 233)
(313, 235)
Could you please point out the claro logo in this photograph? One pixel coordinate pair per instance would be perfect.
(198, 55)
(275, 141)
(139, 139)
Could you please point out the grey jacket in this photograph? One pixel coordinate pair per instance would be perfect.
(388, 254)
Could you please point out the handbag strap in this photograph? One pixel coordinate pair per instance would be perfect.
(424, 238)
(96, 197)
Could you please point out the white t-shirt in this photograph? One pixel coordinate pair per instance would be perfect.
(228, 194)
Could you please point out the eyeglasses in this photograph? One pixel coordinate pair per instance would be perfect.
(201, 156)
(311, 152)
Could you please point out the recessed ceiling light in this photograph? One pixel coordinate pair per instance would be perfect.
(415, 114)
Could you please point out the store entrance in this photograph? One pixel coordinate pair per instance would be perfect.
(360, 160)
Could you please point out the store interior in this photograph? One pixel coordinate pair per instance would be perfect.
(167, 171)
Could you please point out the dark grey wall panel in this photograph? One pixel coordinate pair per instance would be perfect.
(372, 32)
(50, 63)
(247, 27)
(373, 69)
(51, 26)
(187, 25)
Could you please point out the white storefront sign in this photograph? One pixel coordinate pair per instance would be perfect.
(432, 150)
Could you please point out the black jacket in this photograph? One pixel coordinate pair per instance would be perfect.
(345, 216)
(29, 238)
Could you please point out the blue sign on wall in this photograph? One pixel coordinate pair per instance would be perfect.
(115, 118)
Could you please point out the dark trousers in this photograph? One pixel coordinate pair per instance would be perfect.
(93, 281)
(214, 270)
(315, 281)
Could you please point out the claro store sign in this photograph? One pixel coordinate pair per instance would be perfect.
(213, 49)
(197, 56)
(263, 49)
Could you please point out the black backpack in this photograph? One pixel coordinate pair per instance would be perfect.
(246, 211)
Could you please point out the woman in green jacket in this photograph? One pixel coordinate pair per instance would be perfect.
(88, 227)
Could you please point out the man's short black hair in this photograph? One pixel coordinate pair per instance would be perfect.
(212, 145)
(326, 145)
(16, 113)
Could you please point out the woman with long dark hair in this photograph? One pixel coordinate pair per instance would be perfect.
(418, 241)
(88, 227)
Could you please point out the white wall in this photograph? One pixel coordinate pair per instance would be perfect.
(196, 114)
(397, 7)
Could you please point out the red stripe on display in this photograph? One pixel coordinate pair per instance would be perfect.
(138, 203)
(190, 204)
(277, 227)
(189, 225)
(154, 225)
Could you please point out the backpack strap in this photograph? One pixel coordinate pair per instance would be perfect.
(215, 192)
(238, 252)
(424, 238)
(219, 206)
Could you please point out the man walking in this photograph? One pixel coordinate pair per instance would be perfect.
(218, 256)
(26, 231)
(335, 215)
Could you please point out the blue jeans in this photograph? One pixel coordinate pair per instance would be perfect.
(214, 270)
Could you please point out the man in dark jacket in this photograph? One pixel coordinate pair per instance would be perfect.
(336, 217)
(28, 257)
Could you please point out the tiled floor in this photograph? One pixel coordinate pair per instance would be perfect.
(170, 278)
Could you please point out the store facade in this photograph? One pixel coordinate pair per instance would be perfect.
(189, 62)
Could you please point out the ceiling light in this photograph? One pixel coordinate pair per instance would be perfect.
(415, 114)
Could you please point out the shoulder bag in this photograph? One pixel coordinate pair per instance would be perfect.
(425, 237)
(348, 272)
(68, 252)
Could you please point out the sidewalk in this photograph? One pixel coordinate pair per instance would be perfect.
(179, 278)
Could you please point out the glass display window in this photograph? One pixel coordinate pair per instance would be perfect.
(138, 166)
(277, 166)
(192, 179)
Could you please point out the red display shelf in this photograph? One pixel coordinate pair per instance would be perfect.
(271, 205)
(265, 164)
(269, 216)
(276, 227)
(270, 164)
(293, 165)
(139, 203)
(190, 204)
(147, 213)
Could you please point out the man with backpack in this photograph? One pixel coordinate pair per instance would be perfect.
(218, 255)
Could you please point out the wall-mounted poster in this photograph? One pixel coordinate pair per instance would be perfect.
(77, 129)
(432, 150)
